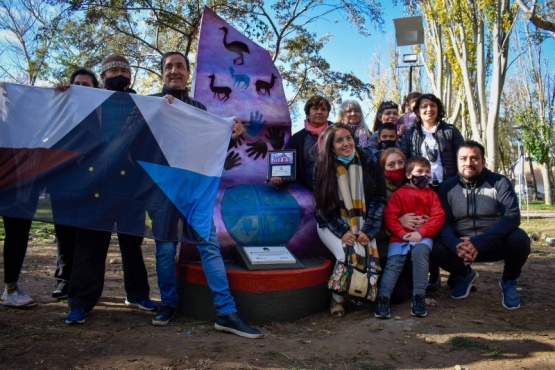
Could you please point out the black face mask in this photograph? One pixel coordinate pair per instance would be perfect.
(388, 144)
(118, 83)
(420, 181)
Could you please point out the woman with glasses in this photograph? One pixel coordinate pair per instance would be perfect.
(438, 141)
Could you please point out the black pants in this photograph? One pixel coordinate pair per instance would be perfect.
(89, 267)
(15, 246)
(66, 237)
(513, 249)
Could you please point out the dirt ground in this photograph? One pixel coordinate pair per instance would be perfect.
(475, 333)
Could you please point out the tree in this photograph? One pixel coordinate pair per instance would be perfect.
(477, 33)
(541, 16)
(282, 26)
(532, 103)
(28, 27)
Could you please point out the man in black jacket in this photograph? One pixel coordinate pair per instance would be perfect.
(481, 225)
(175, 73)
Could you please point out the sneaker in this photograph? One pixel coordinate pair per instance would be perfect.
(510, 300)
(17, 299)
(464, 284)
(382, 308)
(75, 316)
(164, 316)
(234, 323)
(61, 290)
(434, 283)
(145, 304)
(451, 283)
(418, 306)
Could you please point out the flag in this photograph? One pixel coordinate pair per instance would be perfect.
(110, 161)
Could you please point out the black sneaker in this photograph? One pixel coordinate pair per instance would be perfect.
(234, 323)
(418, 306)
(164, 316)
(434, 283)
(382, 308)
(451, 283)
(61, 290)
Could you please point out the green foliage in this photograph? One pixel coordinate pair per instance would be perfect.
(144, 29)
(537, 138)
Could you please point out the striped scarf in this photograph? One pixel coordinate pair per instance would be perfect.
(352, 204)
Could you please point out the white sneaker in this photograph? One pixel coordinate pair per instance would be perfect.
(17, 299)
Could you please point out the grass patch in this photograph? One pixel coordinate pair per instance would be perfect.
(538, 205)
(395, 356)
(536, 225)
(494, 353)
(462, 343)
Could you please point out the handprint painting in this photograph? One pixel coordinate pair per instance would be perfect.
(236, 77)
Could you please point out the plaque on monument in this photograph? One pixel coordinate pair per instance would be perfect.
(281, 163)
(268, 258)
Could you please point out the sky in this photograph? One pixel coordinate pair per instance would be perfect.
(348, 51)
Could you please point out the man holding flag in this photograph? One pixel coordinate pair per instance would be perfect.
(175, 74)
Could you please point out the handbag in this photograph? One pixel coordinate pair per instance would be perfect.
(363, 283)
(339, 277)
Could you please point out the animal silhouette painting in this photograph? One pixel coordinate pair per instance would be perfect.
(219, 90)
(239, 79)
(236, 47)
(263, 87)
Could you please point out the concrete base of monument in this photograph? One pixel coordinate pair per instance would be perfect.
(261, 296)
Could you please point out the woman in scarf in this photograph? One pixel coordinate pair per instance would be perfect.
(317, 110)
(350, 113)
(350, 199)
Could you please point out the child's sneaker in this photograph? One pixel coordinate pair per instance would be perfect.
(382, 308)
(17, 299)
(418, 306)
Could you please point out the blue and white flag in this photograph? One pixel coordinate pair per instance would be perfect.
(110, 161)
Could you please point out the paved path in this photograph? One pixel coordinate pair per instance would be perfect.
(540, 214)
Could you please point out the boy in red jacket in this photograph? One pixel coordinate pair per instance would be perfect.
(417, 198)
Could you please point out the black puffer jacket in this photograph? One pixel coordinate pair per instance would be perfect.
(375, 198)
(448, 139)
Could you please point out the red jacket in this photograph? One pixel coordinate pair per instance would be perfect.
(408, 199)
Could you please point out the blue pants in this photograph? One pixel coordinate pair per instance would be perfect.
(214, 270)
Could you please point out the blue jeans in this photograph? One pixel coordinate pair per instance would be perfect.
(420, 260)
(214, 270)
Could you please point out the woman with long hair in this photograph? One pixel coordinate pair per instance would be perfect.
(350, 113)
(350, 199)
(438, 141)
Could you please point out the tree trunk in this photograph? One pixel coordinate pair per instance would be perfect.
(534, 183)
(547, 184)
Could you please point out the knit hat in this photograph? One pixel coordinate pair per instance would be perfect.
(115, 61)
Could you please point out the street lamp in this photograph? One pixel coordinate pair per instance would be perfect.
(409, 31)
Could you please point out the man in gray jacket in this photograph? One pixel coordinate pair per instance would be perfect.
(481, 225)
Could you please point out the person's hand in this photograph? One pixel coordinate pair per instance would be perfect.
(237, 129)
(276, 137)
(62, 86)
(362, 238)
(411, 221)
(466, 250)
(276, 180)
(414, 236)
(349, 238)
(169, 98)
(257, 149)
(232, 160)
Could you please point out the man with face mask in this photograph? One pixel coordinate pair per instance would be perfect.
(87, 279)
(481, 225)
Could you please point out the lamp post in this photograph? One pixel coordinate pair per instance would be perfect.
(409, 31)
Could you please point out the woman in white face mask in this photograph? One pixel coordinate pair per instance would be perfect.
(350, 198)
